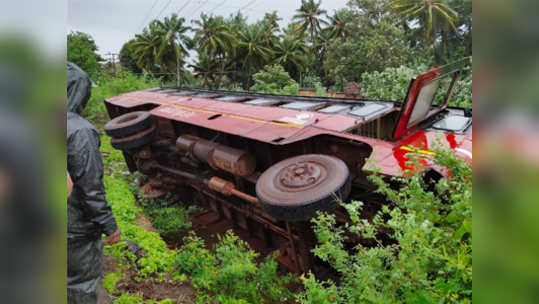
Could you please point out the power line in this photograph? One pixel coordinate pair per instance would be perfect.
(164, 8)
(246, 6)
(148, 15)
(200, 6)
(185, 5)
(217, 6)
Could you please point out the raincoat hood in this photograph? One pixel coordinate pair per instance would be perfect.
(79, 88)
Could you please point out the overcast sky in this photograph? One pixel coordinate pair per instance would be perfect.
(113, 22)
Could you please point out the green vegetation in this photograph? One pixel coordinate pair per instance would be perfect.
(320, 90)
(127, 298)
(160, 48)
(429, 257)
(231, 275)
(110, 281)
(158, 258)
(275, 80)
(168, 216)
(393, 83)
(81, 50)
(127, 58)
(108, 86)
(366, 36)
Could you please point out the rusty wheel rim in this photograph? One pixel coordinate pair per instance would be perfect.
(300, 176)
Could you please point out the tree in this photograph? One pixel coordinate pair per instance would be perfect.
(269, 33)
(291, 54)
(433, 14)
(275, 80)
(310, 16)
(82, 50)
(368, 13)
(373, 50)
(205, 68)
(127, 58)
(338, 24)
(173, 42)
(162, 46)
(251, 47)
(214, 40)
(146, 47)
(272, 19)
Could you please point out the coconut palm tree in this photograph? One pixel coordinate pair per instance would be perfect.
(252, 49)
(205, 68)
(433, 14)
(146, 47)
(310, 17)
(291, 54)
(173, 40)
(214, 39)
(272, 19)
(337, 24)
(162, 44)
(269, 34)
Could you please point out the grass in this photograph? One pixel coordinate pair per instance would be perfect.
(108, 86)
(158, 259)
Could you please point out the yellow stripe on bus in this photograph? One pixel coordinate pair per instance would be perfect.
(283, 124)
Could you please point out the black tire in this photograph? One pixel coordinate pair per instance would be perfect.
(291, 201)
(134, 141)
(128, 124)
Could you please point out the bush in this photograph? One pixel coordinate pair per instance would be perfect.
(309, 81)
(393, 83)
(320, 90)
(231, 275)
(429, 257)
(275, 80)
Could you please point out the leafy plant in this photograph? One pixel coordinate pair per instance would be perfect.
(169, 219)
(275, 80)
(231, 275)
(320, 90)
(309, 81)
(428, 258)
(128, 298)
(110, 281)
(392, 84)
(158, 258)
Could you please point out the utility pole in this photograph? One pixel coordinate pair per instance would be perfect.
(112, 60)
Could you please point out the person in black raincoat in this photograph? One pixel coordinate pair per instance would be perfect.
(89, 214)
